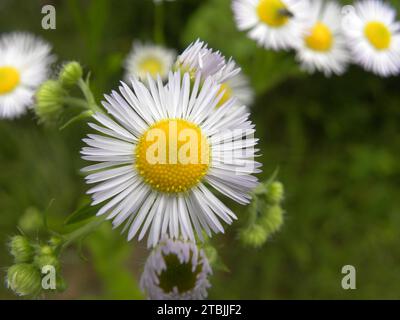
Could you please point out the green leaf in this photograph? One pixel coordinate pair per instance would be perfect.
(83, 115)
(85, 212)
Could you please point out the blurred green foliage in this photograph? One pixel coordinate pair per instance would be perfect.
(336, 142)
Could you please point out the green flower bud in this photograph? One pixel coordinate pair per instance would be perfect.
(46, 250)
(275, 192)
(272, 219)
(31, 220)
(24, 279)
(254, 236)
(46, 260)
(70, 74)
(54, 241)
(49, 103)
(21, 249)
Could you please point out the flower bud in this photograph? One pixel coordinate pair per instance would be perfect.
(24, 279)
(31, 220)
(254, 236)
(54, 241)
(46, 257)
(275, 192)
(46, 250)
(46, 260)
(21, 249)
(272, 219)
(70, 74)
(49, 103)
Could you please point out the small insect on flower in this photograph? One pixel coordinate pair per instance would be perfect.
(323, 47)
(373, 36)
(199, 59)
(24, 65)
(274, 24)
(160, 146)
(148, 59)
(176, 270)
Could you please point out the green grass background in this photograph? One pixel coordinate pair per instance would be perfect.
(336, 142)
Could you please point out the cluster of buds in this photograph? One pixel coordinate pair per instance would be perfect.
(36, 267)
(265, 214)
(52, 97)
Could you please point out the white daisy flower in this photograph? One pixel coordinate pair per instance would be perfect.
(24, 65)
(234, 85)
(274, 24)
(323, 47)
(160, 146)
(199, 59)
(373, 36)
(149, 59)
(176, 270)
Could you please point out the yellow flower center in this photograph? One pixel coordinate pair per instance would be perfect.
(227, 90)
(320, 37)
(151, 65)
(378, 35)
(172, 155)
(273, 12)
(9, 79)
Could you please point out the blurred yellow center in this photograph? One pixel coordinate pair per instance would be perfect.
(320, 37)
(378, 35)
(227, 90)
(152, 66)
(172, 155)
(9, 79)
(273, 12)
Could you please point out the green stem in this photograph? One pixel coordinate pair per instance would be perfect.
(81, 232)
(159, 23)
(91, 102)
(75, 102)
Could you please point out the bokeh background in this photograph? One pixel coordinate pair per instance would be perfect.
(336, 142)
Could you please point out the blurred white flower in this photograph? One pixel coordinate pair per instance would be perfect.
(323, 47)
(24, 65)
(176, 270)
(274, 24)
(373, 36)
(149, 59)
(237, 87)
(199, 59)
(144, 184)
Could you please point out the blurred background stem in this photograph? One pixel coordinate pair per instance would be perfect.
(159, 23)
